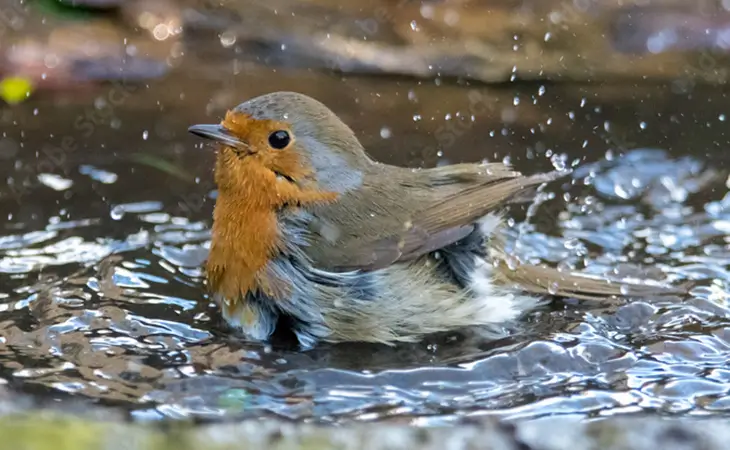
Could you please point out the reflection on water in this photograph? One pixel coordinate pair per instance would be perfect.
(102, 246)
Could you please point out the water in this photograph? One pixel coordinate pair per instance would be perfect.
(106, 219)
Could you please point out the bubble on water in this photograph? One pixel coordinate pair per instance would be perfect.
(145, 135)
(624, 289)
(385, 133)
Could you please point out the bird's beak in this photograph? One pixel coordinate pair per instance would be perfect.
(220, 134)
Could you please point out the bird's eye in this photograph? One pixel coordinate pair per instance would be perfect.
(279, 139)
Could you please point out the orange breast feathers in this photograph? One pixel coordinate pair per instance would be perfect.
(245, 224)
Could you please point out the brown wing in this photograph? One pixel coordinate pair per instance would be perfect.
(471, 192)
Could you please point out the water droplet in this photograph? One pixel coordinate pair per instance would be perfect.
(553, 288)
(385, 133)
(624, 289)
(228, 38)
(721, 117)
(145, 134)
(541, 91)
(642, 125)
(548, 35)
(117, 213)
(416, 117)
(516, 101)
(414, 25)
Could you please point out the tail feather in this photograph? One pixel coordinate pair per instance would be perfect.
(545, 280)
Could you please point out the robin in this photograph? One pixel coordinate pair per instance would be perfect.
(309, 228)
